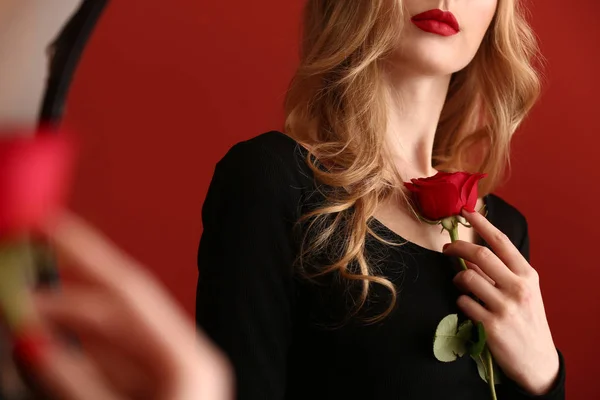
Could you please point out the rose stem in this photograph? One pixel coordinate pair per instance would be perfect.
(488, 355)
(454, 238)
(490, 367)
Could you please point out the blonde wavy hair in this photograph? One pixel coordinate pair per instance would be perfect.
(336, 109)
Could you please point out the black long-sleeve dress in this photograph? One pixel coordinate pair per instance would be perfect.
(289, 338)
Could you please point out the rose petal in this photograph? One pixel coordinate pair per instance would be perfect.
(445, 194)
(411, 187)
(460, 178)
(469, 192)
(439, 202)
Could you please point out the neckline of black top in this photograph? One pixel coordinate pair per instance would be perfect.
(398, 238)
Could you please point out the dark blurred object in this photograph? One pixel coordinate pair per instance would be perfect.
(65, 53)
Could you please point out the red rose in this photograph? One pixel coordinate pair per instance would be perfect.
(445, 194)
(33, 180)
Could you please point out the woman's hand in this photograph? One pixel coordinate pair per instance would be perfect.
(28, 28)
(134, 341)
(513, 315)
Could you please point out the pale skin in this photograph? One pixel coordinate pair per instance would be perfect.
(418, 80)
(418, 77)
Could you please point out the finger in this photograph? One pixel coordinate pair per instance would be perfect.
(476, 268)
(66, 375)
(470, 281)
(100, 262)
(100, 319)
(458, 268)
(71, 378)
(135, 379)
(485, 259)
(90, 255)
(498, 241)
(102, 322)
(473, 310)
(157, 314)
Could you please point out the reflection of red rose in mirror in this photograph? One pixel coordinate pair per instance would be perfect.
(34, 175)
(445, 194)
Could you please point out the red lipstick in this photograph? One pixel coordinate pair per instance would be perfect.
(439, 22)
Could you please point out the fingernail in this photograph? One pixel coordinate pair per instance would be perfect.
(446, 246)
(30, 347)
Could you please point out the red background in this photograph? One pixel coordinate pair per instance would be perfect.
(166, 88)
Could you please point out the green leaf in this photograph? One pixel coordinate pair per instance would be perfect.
(481, 368)
(465, 329)
(450, 340)
(479, 339)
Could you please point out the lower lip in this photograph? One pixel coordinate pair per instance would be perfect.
(435, 26)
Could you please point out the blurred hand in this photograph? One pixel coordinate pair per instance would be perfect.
(27, 29)
(135, 341)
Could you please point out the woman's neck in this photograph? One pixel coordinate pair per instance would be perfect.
(414, 108)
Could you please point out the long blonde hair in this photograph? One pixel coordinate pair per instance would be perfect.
(335, 107)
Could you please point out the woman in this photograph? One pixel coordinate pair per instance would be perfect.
(302, 280)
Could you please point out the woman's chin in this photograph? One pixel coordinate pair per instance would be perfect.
(431, 59)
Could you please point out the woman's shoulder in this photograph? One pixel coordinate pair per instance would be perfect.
(273, 152)
(272, 164)
(274, 145)
(503, 209)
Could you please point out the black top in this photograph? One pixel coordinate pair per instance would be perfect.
(286, 337)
